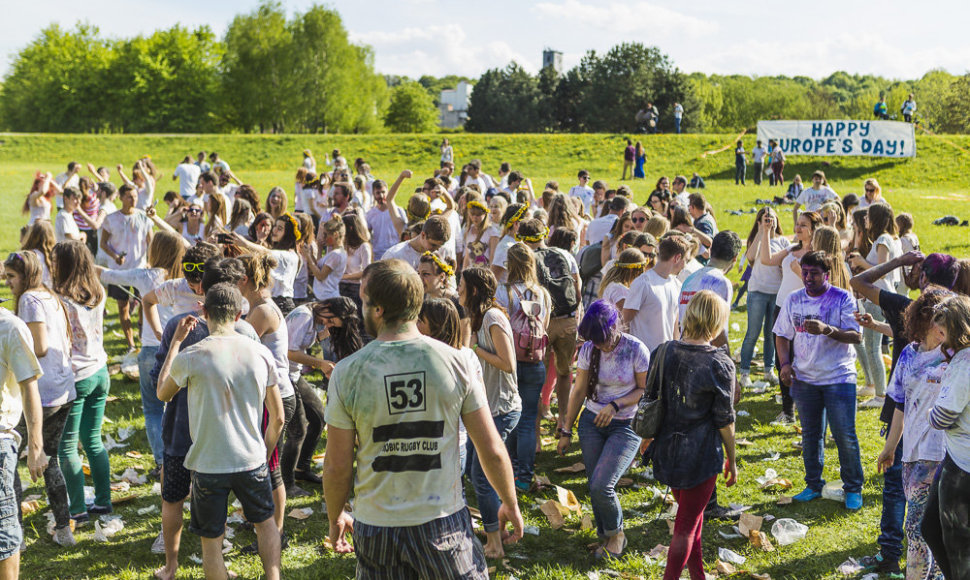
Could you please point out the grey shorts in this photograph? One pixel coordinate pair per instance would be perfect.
(210, 499)
(11, 534)
(442, 548)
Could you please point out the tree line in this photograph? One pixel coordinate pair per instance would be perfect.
(270, 73)
(604, 92)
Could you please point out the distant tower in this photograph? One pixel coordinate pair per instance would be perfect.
(552, 58)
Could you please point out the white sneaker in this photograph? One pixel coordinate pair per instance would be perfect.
(873, 403)
(158, 546)
(64, 537)
(772, 378)
(745, 381)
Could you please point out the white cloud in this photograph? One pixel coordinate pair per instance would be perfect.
(638, 18)
(439, 50)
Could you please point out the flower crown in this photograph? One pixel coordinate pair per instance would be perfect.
(517, 216)
(296, 225)
(478, 205)
(533, 239)
(442, 265)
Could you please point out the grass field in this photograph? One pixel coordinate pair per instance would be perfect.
(929, 186)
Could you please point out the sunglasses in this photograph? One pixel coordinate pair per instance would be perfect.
(870, 190)
(195, 210)
(639, 220)
(193, 267)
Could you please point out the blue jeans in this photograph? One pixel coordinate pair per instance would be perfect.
(740, 169)
(677, 124)
(607, 452)
(488, 500)
(893, 509)
(151, 406)
(835, 404)
(522, 441)
(761, 315)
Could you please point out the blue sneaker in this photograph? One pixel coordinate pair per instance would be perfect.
(853, 501)
(807, 494)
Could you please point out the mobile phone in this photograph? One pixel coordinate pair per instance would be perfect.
(224, 238)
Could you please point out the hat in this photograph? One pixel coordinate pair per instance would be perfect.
(941, 269)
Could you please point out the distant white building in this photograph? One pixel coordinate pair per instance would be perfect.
(453, 106)
(552, 58)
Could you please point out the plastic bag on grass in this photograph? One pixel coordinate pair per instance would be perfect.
(788, 531)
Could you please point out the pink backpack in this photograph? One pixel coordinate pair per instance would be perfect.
(528, 334)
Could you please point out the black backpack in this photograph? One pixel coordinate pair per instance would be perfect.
(590, 263)
(554, 275)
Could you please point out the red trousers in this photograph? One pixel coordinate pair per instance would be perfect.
(685, 546)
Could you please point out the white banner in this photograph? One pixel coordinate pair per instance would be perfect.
(841, 138)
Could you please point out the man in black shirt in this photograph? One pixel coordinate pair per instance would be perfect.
(938, 269)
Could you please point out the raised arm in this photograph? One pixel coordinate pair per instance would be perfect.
(864, 283)
(124, 178)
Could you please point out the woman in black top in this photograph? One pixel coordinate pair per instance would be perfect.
(698, 394)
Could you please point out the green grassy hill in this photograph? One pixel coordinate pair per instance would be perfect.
(931, 185)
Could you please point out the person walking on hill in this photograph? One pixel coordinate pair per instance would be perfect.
(628, 158)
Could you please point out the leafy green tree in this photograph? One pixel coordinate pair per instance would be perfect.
(505, 101)
(168, 81)
(411, 110)
(56, 83)
(954, 109)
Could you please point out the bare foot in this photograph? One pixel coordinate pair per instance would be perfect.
(494, 550)
(163, 573)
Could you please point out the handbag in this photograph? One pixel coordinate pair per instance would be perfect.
(650, 410)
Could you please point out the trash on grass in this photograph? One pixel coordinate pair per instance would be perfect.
(531, 530)
(568, 500)
(730, 534)
(768, 476)
(748, 523)
(148, 510)
(195, 559)
(833, 491)
(543, 480)
(109, 529)
(725, 568)
(587, 523)
(658, 551)
(777, 484)
(110, 443)
(574, 468)
(743, 443)
(29, 507)
(301, 513)
(743, 413)
(131, 476)
(774, 456)
(788, 531)
(760, 540)
(849, 568)
(730, 556)
(553, 513)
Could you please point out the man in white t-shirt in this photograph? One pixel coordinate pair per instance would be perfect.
(434, 234)
(651, 307)
(601, 226)
(125, 237)
(813, 197)
(724, 254)
(70, 178)
(583, 191)
(758, 157)
(678, 189)
(394, 409)
(678, 116)
(65, 228)
(476, 177)
(19, 370)
(818, 325)
(229, 380)
(187, 174)
(383, 233)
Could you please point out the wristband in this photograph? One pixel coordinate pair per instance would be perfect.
(564, 433)
(831, 330)
(615, 406)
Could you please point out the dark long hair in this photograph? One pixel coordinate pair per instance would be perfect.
(345, 339)
(442, 318)
(600, 326)
(480, 287)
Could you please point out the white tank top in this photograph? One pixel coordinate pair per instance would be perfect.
(278, 343)
(40, 212)
(192, 238)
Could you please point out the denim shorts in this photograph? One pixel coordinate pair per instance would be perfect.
(210, 499)
(445, 547)
(11, 534)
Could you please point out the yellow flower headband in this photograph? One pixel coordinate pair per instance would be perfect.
(518, 215)
(416, 218)
(478, 205)
(442, 265)
(533, 239)
(630, 265)
(296, 225)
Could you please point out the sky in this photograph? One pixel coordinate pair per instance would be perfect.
(893, 38)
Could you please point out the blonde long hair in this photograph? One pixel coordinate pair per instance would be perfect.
(628, 265)
(826, 239)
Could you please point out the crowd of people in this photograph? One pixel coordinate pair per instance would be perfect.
(449, 312)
